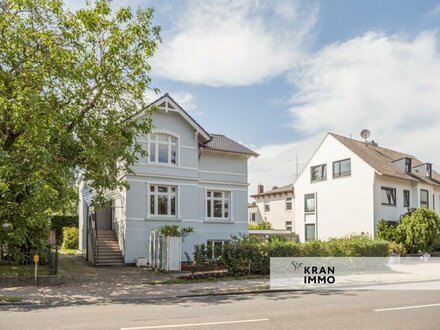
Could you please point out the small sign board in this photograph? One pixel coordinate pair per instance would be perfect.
(36, 258)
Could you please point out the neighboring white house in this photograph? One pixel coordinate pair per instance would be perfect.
(348, 186)
(275, 205)
(190, 178)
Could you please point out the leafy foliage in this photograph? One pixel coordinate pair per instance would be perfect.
(58, 222)
(174, 231)
(70, 238)
(72, 88)
(244, 255)
(419, 230)
(264, 225)
(387, 231)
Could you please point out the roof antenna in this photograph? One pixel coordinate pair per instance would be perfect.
(365, 134)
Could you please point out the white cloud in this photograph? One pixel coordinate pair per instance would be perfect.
(384, 83)
(234, 43)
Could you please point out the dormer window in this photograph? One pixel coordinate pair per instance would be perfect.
(429, 170)
(408, 165)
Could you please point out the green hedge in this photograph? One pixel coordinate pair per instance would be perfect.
(58, 222)
(245, 255)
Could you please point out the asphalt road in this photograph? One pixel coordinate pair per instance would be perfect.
(291, 310)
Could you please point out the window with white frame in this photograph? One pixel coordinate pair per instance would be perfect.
(162, 149)
(162, 200)
(289, 204)
(289, 225)
(217, 204)
(253, 217)
(406, 198)
(266, 206)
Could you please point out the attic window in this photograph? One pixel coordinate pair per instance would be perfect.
(408, 165)
(429, 170)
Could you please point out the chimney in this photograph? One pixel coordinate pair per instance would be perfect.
(260, 189)
(274, 187)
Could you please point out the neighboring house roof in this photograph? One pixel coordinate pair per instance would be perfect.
(381, 159)
(223, 143)
(212, 141)
(279, 190)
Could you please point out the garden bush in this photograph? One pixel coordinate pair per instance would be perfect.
(244, 256)
(70, 238)
(58, 222)
(387, 231)
(419, 230)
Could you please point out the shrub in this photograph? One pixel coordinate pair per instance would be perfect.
(174, 231)
(58, 222)
(70, 238)
(387, 231)
(419, 230)
(397, 248)
(245, 256)
(200, 254)
(264, 225)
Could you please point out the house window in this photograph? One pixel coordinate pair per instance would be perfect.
(266, 206)
(424, 198)
(217, 204)
(408, 165)
(406, 198)
(309, 203)
(289, 204)
(388, 196)
(289, 225)
(162, 149)
(310, 232)
(253, 217)
(433, 201)
(342, 168)
(162, 200)
(318, 173)
(215, 248)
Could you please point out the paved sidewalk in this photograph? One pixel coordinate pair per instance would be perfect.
(85, 284)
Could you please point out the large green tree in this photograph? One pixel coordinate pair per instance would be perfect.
(72, 88)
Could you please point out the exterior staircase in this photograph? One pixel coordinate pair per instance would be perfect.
(108, 249)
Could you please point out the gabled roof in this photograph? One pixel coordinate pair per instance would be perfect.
(209, 141)
(279, 190)
(223, 143)
(381, 159)
(172, 105)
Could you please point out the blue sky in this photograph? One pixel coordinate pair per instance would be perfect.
(277, 75)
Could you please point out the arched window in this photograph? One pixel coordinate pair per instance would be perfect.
(162, 149)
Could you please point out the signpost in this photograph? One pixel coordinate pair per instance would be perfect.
(36, 260)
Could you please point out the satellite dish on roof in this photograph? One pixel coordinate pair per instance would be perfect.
(365, 134)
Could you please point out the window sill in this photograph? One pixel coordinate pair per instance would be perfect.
(162, 218)
(342, 177)
(161, 164)
(218, 220)
(388, 204)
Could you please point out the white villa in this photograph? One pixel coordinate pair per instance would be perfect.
(191, 178)
(348, 186)
(275, 206)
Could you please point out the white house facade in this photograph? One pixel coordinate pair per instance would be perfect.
(275, 206)
(190, 178)
(348, 186)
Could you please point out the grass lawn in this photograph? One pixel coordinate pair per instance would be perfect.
(68, 251)
(22, 270)
(10, 299)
